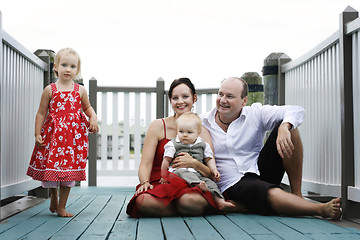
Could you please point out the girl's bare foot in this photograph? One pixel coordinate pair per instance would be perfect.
(203, 187)
(63, 213)
(224, 205)
(54, 204)
(331, 209)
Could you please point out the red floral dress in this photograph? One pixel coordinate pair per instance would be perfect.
(65, 135)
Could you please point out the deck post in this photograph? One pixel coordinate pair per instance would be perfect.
(274, 79)
(346, 105)
(46, 59)
(160, 89)
(1, 80)
(281, 78)
(92, 137)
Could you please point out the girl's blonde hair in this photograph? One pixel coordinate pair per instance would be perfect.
(190, 116)
(63, 52)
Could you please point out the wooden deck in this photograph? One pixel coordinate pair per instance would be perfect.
(99, 213)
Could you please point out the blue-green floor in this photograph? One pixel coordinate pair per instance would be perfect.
(99, 213)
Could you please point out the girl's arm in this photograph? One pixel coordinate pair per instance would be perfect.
(88, 110)
(41, 115)
(152, 137)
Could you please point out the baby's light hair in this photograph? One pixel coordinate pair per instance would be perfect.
(190, 116)
(63, 52)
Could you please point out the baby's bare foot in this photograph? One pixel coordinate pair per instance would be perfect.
(224, 205)
(63, 213)
(331, 209)
(54, 203)
(238, 207)
(203, 186)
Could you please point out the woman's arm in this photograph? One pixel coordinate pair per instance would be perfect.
(153, 134)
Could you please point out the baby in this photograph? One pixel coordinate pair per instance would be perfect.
(188, 129)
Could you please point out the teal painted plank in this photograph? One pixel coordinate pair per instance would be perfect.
(94, 208)
(23, 216)
(125, 227)
(328, 226)
(227, 228)
(248, 223)
(176, 229)
(55, 224)
(104, 222)
(280, 229)
(334, 236)
(112, 209)
(201, 229)
(303, 225)
(266, 237)
(73, 230)
(102, 190)
(349, 236)
(98, 230)
(149, 229)
(34, 222)
(123, 216)
(124, 230)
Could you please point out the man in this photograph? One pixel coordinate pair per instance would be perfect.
(251, 173)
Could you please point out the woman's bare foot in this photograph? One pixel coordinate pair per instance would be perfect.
(203, 187)
(63, 213)
(54, 203)
(331, 209)
(224, 205)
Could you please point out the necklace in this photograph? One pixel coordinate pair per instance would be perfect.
(227, 124)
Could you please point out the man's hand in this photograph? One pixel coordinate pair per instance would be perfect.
(284, 144)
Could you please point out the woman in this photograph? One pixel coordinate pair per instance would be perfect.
(151, 197)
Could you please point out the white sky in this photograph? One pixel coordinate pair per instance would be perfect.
(134, 42)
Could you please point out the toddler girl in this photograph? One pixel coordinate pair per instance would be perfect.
(61, 137)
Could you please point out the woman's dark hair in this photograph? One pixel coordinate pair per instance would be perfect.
(179, 81)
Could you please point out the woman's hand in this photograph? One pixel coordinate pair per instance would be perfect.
(144, 187)
(184, 160)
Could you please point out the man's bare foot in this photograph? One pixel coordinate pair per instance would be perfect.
(224, 205)
(54, 203)
(63, 213)
(331, 209)
(203, 187)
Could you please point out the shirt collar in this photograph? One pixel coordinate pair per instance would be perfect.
(210, 116)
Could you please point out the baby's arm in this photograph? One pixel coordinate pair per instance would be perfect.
(164, 167)
(41, 115)
(88, 110)
(210, 162)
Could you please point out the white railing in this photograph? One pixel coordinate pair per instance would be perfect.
(124, 115)
(314, 85)
(326, 82)
(22, 80)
